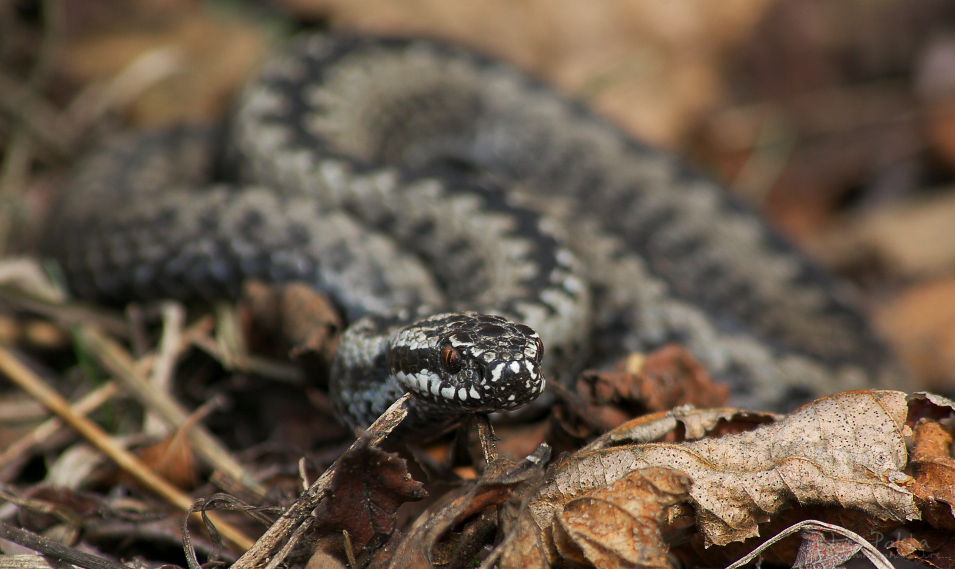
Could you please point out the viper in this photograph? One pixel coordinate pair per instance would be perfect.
(463, 216)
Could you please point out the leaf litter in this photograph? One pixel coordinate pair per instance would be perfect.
(681, 485)
(685, 484)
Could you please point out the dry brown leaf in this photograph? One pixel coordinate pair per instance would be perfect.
(936, 549)
(494, 487)
(664, 379)
(522, 547)
(295, 316)
(50, 506)
(819, 552)
(920, 322)
(173, 459)
(365, 493)
(845, 450)
(934, 471)
(682, 424)
(214, 57)
(910, 239)
(619, 526)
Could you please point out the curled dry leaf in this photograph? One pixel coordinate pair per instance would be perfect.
(521, 547)
(495, 486)
(640, 384)
(933, 548)
(173, 459)
(366, 490)
(682, 424)
(933, 468)
(844, 450)
(931, 463)
(302, 320)
(619, 526)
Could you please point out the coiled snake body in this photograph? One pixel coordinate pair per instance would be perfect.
(497, 195)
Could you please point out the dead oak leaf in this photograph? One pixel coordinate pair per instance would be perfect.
(931, 463)
(846, 450)
(619, 526)
(366, 490)
(640, 384)
(933, 469)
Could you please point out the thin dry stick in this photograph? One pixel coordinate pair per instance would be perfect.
(249, 363)
(279, 558)
(47, 429)
(43, 121)
(170, 346)
(56, 551)
(32, 384)
(15, 164)
(43, 300)
(229, 349)
(300, 513)
(97, 99)
(119, 363)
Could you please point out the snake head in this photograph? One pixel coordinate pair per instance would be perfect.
(469, 361)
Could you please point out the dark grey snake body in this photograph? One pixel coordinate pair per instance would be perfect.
(497, 195)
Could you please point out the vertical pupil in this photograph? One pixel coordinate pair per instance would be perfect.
(451, 359)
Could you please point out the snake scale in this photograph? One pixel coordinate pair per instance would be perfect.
(425, 188)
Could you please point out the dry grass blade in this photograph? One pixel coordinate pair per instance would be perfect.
(871, 553)
(30, 382)
(85, 405)
(112, 357)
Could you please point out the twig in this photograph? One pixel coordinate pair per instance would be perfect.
(56, 550)
(26, 274)
(299, 513)
(15, 166)
(47, 125)
(119, 363)
(64, 313)
(487, 438)
(47, 429)
(173, 316)
(32, 384)
(279, 558)
(98, 99)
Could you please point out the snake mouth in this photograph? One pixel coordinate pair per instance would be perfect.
(505, 385)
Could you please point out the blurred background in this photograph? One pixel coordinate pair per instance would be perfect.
(835, 119)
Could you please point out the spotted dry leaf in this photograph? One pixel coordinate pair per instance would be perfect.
(845, 450)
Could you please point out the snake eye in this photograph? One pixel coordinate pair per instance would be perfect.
(540, 348)
(450, 358)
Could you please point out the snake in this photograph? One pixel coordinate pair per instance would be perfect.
(462, 215)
